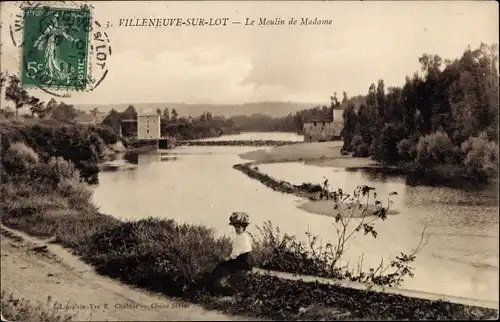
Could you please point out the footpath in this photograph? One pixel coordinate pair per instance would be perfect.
(38, 271)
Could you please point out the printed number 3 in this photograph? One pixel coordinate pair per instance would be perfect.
(32, 66)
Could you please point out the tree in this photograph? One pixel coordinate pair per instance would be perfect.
(158, 111)
(381, 100)
(129, 113)
(350, 124)
(334, 100)
(175, 115)
(344, 98)
(166, 114)
(51, 106)
(37, 108)
(15, 93)
(64, 112)
(3, 79)
(113, 119)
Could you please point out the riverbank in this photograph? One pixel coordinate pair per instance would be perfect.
(33, 268)
(328, 154)
(237, 143)
(47, 199)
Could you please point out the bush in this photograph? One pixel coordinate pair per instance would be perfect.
(481, 155)
(359, 147)
(286, 253)
(406, 150)
(434, 149)
(108, 135)
(84, 146)
(157, 253)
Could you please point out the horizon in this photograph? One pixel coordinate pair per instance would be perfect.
(240, 65)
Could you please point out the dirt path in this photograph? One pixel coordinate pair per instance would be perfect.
(37, 274)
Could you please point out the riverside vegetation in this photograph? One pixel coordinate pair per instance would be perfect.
(440, 125)
(44, 194)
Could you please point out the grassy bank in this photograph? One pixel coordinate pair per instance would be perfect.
(47, 198)
(321, 198)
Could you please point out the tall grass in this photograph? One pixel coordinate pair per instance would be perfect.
(23, 310)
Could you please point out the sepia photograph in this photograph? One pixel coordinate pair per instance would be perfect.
(249, 160)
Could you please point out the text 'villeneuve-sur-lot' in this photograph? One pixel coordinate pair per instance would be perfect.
(209, 22)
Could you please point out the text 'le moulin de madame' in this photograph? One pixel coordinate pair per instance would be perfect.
(209, 22)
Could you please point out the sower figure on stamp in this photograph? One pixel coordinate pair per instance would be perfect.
(240, 260)
(48, 42)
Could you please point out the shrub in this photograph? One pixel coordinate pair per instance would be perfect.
(359, 147)
(435, 148)
(82, 145)
(406, 150)
(18, 161)
(481, 155)
(286, 253)
(157, 253)
(108, 135)
(385, 147)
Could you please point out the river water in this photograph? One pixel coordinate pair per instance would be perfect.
(200, 186)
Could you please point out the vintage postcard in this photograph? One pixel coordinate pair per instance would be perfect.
(249, 160)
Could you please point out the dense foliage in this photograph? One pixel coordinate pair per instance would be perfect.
(83, 145)
(443, 120)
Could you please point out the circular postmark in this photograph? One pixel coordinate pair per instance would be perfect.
(63, 49)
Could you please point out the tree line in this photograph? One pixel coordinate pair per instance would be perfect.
(294, 122)
(174, 125)
(442, 120)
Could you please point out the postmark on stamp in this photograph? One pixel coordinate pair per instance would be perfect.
(63, 49)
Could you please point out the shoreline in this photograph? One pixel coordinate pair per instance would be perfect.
(314, 193)
(165, 257)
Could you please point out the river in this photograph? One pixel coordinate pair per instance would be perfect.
(200, 186)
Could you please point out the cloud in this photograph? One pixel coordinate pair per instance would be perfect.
(366, 42)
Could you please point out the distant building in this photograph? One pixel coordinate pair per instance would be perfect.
(148, 127)
(327, 129)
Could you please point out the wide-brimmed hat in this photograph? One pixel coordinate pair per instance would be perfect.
(239, 218)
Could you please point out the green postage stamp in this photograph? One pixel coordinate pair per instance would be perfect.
(55, 47)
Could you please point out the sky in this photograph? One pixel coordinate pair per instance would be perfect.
(235, 64)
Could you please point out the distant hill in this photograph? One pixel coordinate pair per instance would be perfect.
(274, 109)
